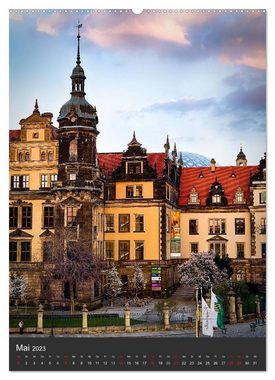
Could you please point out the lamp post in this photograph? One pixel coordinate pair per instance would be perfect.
(52, 310)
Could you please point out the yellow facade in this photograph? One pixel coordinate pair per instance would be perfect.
(150, 236)
(203, 236)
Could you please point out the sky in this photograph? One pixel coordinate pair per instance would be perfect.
(199, 77)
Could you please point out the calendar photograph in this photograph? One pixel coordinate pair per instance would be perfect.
(137, 189)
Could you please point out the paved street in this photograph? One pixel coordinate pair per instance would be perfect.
(238, 330)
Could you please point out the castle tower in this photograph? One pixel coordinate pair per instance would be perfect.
(241, 158)
(78, 193)
(77, 132)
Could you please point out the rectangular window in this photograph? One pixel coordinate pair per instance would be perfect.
(109, 249)
(194, 247)
(239, 197)
(139, 223)
(239, 226)
(139, 250)
(13, 250)
(134, 191)
(263, 226)
(71, 216)
(263, 197)
(13, 217)
(263, 250)
(72, 176)
(53, 179)
(168, 192)
(218, 248)
(19, 182)
(240, 250)
(15, 182)
(167, 223)
(193, 197)
(44, 180)
(129, 191)
(193, 227)
(27, 217)
(134, 167)
(217, 226)
(48, 217)
(25, 181)
(109, 223)
(25, 251)
(216, 198)
(124, 222)
(47, 251)
(124, 249)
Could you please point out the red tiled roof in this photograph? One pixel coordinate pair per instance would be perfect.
(190, 178)
(111, 161)
(15, 134)
(158, 159)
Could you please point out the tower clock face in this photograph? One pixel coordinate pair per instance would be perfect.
(73, 119)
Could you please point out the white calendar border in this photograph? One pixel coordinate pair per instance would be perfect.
(119, 4)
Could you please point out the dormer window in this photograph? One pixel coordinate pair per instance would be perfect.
(239, 196)
(134, 168)
(193, 197)
(216, 195)
(216, 198)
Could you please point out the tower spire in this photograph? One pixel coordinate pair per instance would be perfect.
(78, 61)
(36, 109)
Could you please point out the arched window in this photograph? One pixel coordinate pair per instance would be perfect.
(27, 156)
(73, 150)
(20, 156)
(50, 156)
(43, 156)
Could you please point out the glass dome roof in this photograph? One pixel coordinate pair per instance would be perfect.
(194, 160)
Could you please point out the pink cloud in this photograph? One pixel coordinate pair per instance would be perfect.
(53, 24)
(233, 39)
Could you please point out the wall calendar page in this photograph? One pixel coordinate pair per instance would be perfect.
(137, 190)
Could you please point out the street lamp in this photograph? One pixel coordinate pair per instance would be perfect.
(52, 310)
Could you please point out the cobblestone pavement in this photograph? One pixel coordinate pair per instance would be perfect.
(238, 330)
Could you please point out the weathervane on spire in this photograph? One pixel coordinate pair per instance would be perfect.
(78, 38)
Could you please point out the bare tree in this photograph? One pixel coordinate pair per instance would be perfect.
(74, 263)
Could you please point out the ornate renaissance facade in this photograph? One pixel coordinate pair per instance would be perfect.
(127, 208)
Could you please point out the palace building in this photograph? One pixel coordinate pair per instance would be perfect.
(127, 208)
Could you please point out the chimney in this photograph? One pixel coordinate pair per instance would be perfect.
(213, 165)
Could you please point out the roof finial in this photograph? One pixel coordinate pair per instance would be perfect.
(78, 38)
(36, 109)
(180, 160)
(174, 152)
